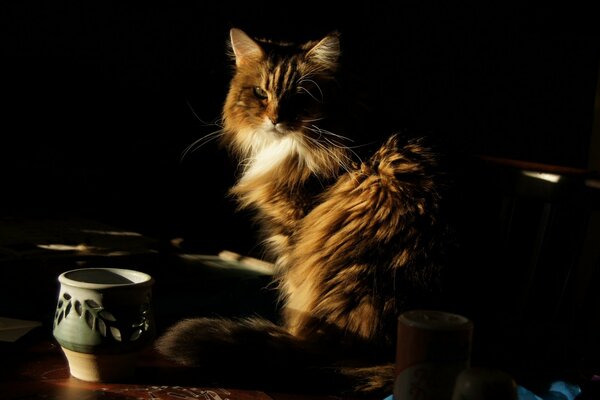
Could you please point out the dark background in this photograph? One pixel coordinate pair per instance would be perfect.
(99, 98)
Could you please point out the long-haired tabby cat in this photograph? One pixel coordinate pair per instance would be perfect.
(354, 242)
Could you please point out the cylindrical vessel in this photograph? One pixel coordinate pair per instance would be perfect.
(103, 319)
(432, 348)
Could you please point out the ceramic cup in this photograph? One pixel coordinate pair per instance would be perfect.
(103, 319)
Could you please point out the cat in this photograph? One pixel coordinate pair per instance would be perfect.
(354, 242)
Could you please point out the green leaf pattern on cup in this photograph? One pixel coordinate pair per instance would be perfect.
(98, 319)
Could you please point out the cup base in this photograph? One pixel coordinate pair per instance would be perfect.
(100, 367)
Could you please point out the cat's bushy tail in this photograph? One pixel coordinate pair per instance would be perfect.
(201, 341)
(255, 351)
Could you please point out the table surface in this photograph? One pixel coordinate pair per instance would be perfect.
(35, 368)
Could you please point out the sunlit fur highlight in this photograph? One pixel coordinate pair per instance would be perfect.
(345, 234)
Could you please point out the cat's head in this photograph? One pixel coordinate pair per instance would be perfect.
(281, 95)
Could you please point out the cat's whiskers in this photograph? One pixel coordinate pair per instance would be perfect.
(218, 122)
(312, 95)
(306, 79)
(332, 154)
(345, 148)
(197, 144)
(324, 132)
(312, 120)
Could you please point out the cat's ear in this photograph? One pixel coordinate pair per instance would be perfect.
(244, 48)
(327, 51)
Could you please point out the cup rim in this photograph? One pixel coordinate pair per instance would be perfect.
(435, 320)
(138, 278)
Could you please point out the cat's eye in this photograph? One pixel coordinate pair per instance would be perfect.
(260, 93)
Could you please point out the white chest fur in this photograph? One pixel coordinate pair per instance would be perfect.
(270, 156)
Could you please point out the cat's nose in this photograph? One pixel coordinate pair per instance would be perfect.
(274, 119)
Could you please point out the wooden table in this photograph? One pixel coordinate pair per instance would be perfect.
(35, 368)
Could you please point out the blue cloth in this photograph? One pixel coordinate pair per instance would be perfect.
(559, 390)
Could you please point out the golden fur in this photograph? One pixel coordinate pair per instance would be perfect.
(352, 241)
